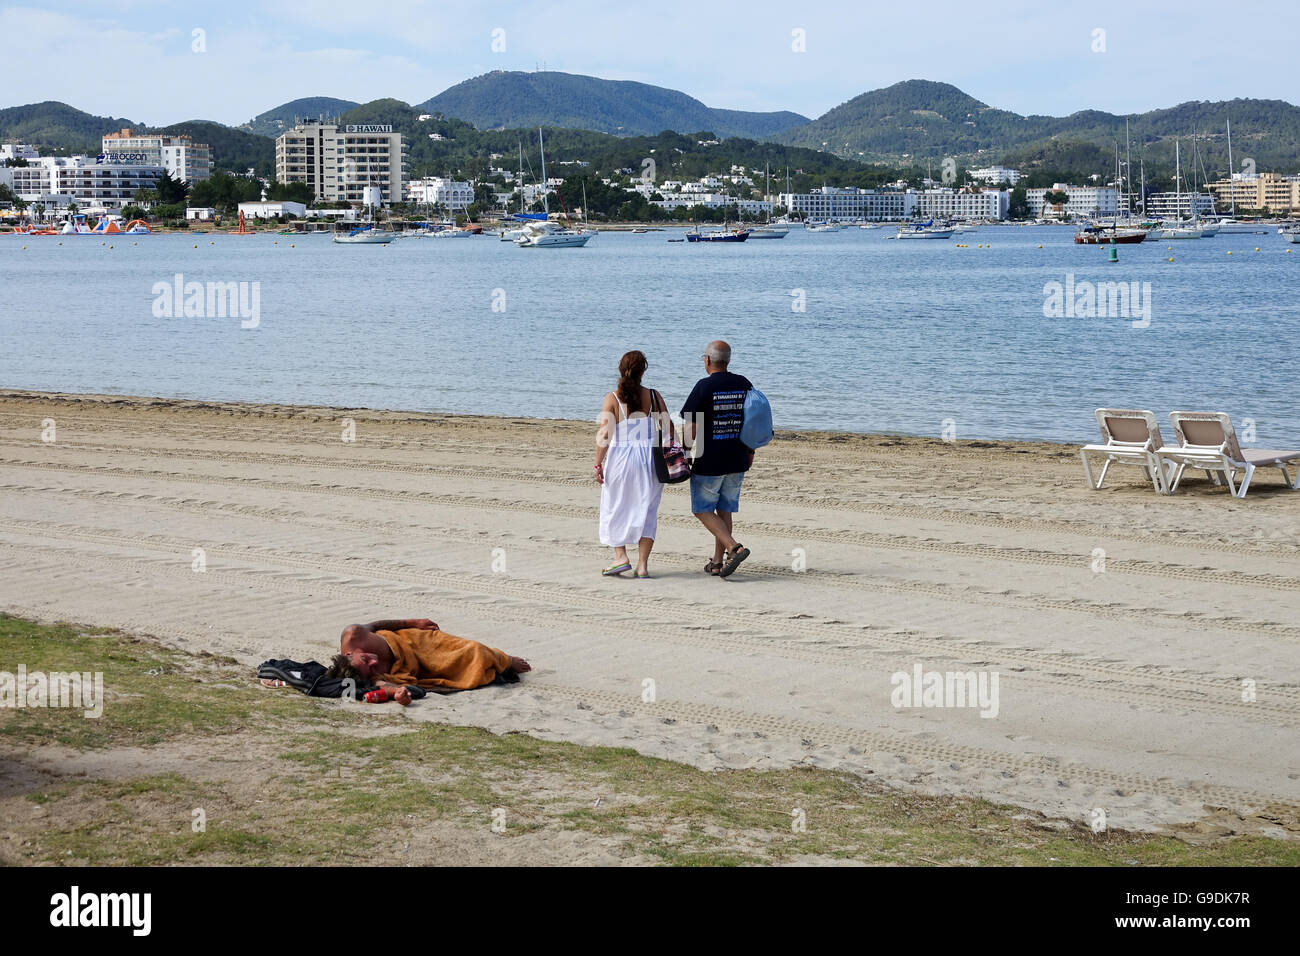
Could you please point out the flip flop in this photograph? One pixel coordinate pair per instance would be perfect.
(733, 561)
(616, 569)
(638, 575)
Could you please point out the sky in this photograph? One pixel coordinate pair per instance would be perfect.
(162, 62)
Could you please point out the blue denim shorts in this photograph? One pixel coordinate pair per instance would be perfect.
(716, 492)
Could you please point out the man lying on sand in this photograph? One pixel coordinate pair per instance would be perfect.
(415, 651)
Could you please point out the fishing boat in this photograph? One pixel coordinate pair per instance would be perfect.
(365, 235)
(923, 230)
(722, 235)
(1105, 234)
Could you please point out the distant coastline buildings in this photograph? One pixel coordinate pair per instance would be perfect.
(338, 162)
(437, 191)
(61, 181)
(183, 158)
(1083, 201)
(1272, 191)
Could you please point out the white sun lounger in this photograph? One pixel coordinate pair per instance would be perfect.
(1129, 437)
(1207, 441)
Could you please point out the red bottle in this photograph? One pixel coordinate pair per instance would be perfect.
(377, 696)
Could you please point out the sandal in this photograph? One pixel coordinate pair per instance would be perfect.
(617, 569)
(733, 560)
(713, 567)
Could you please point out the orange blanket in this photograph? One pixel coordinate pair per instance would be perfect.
(438, 659)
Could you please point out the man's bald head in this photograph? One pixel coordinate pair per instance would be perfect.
(719, 354)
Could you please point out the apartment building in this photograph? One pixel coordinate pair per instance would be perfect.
(183, 158)
(338, 162)
(1272, 191)
(439, 191)
(1083, 201)
(836, 202)
(963, 204)
(58, 181)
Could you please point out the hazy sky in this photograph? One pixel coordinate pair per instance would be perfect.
(136, 58)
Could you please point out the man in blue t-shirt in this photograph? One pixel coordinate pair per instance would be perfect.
(714, 412)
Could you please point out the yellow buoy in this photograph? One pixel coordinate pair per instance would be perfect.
(1257, 248)
(1040, 245)
(196, 245)
(1229, 252)
(291, 245)
(1171, 258)
(1170, 248)
(110, 247)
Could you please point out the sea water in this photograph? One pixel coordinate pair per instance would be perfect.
(848, 331)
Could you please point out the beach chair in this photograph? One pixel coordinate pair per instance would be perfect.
(1207, 441)
(1129, 437)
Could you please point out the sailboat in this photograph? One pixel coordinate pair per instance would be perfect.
(767, 230)
(1232, 225)
(546, 234)
(1179, 230)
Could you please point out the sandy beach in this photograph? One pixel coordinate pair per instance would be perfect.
(1125, 674)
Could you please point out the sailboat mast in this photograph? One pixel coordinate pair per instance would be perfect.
(546, 201)
(1128, 171)
(1232, 186)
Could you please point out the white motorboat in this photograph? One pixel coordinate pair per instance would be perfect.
(815, 226)
(1292, 234)
(1237, 227)
(768, 232)
(548, 235)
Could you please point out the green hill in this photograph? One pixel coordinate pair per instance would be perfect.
(57, 128)
(232, 149)
(621, 107)
(275, 121)
(919, 120)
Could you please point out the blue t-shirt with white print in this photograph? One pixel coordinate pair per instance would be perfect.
(717, 407)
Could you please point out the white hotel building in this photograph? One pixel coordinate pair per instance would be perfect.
(1083, 201)
(338, 162)
(57, 181)
(750, 207)
(994, 175)
(438, 191)
(183, 158)
(834, 202)
(961, 204)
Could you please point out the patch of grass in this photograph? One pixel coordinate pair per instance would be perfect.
(328, 797)
(151, 693)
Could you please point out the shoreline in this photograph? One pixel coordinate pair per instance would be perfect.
(164, 403)
(1122, 624)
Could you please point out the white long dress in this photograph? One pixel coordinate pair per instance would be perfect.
(629, 497)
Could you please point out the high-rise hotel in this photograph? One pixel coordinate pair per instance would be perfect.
(339, 162)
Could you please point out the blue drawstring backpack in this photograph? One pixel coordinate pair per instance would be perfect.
(756, 430)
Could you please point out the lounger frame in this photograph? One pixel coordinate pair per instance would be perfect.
(1225, 458)
(1130, 422)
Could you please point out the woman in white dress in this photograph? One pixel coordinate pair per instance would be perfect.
(629, 488)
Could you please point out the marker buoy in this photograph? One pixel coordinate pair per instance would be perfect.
(1171, 258)
(1257, 248)
(1229, 252)
(1114, 255)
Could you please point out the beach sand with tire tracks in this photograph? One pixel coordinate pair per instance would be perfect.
(1129, 631)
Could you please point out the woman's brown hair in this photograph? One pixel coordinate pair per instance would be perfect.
(630, 369)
